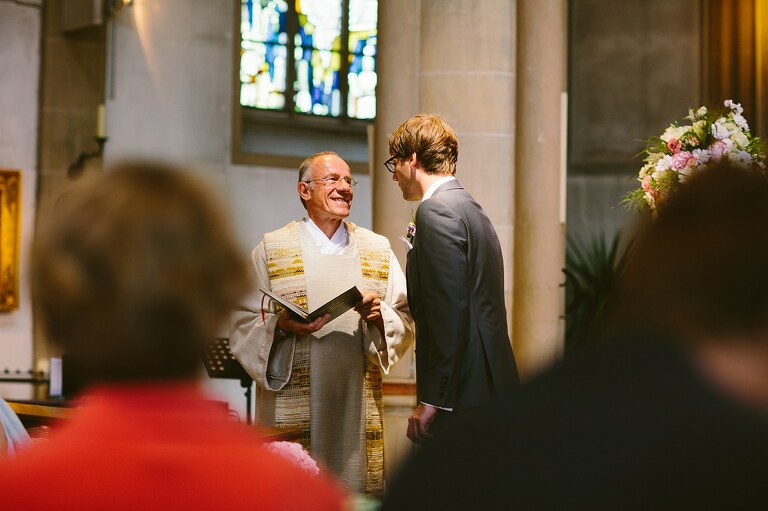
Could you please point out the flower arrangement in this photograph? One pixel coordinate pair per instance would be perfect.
(296, 454)
(685, 149)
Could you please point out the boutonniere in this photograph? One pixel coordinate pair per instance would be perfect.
(410, 232)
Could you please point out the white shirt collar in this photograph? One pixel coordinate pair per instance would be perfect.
(434, 186)
(334, 245)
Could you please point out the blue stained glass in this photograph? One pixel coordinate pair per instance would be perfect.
(263, 57)
(316, 57)
(361, 76)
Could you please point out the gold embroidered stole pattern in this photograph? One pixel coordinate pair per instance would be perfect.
(285, 268)
(373, 250)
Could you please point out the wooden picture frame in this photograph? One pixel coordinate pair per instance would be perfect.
(10, 229)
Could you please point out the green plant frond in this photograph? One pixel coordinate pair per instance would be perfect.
(646, 142)
(655, 145)
(635, 202)
(757, 146)
(593, 268)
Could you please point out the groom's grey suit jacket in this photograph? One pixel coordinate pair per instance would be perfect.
(456, 295)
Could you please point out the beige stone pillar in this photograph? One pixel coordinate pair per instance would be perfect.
(397, 100)
(468, 77)
(537, 327)
(455, 58)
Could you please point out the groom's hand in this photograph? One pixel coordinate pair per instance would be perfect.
(419, 421)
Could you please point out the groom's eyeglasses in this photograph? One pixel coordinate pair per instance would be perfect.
(390, 164)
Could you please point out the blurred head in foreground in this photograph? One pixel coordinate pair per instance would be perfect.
(700, 269)
(135, 272)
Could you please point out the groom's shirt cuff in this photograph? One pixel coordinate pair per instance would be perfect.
(438, 407)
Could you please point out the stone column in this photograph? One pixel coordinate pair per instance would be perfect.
(397, 100)
(537, 327)
(468, 77)
(455, 58)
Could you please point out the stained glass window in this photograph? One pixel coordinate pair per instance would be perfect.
(315, 57)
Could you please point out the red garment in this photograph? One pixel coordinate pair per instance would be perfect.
(151, 447)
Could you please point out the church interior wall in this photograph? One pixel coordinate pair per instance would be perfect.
(20, 26)
(71, 63)
(634, 67)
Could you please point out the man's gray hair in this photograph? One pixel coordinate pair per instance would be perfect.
(306, 165)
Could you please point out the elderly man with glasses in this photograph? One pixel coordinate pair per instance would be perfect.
(325, 377)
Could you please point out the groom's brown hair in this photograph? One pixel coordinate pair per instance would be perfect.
(431, 139)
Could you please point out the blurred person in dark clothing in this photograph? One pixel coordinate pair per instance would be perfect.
(671, 412)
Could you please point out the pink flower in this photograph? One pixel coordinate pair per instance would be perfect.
(294, 453)
(682, 160)
(646, 185)
(717, 150)
(674, 145)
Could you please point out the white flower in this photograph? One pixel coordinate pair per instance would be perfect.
(740, 157)
(736, 107)
(740, 139)
(702, 155)
(720, 130)
(699, 113)
(664, 164)
(675, 132)
(740, 121)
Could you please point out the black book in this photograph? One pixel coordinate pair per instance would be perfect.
(335, 307)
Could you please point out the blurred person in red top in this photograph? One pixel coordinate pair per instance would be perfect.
(134, 274)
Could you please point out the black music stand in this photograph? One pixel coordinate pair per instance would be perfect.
(220, 363)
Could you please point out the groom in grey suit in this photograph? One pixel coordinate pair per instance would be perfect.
(455, 281)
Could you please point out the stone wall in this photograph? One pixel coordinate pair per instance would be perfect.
(19, 72)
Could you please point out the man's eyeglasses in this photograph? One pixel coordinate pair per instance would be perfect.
(390, 164)
(333, 181)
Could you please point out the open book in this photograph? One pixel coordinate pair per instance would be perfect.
(335, 307)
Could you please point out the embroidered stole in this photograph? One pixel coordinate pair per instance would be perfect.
(285, 267)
